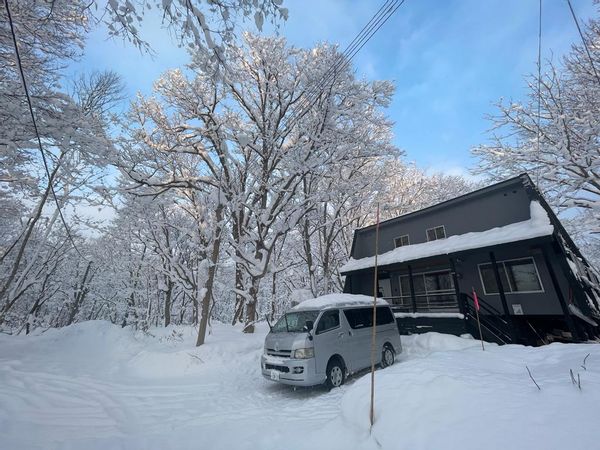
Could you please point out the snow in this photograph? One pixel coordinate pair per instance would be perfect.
(577, 312)
(97, 386)
(337, 301)
(464, 398)
(537, 226)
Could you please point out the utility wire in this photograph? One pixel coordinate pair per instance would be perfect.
(37, 134)
(376, 22)
(341, 58)
(367, 32)
(587, 50)
(539, 89)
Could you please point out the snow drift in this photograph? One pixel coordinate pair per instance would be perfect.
(96, 386)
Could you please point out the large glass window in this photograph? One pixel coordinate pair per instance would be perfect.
(293, 322)
(516, 275)
(385, 287)
(438, 281)
(436, 233)
(433, 291)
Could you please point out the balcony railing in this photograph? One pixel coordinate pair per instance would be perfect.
(425, 303)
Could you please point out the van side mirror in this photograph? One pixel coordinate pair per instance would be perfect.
(308, 325)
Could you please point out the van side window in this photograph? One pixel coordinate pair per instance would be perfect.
(384, 315)
(328, 321)
(359, 317)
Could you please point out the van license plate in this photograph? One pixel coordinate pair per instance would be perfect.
(275, 375)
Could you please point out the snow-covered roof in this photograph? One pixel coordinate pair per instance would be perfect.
(537, 226)
(337, 301)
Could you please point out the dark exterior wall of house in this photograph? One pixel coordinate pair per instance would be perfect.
(544, 303)
(500, 205)
(533, 304)
(483, 212)
(361, 283)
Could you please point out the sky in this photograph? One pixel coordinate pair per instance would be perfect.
(450, 61)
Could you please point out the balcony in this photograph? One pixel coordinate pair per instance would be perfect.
(425, 303)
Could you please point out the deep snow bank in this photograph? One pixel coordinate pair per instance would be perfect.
(98, 386)
(100, 348)
(467, 398)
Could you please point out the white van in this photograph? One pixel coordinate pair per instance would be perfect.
(322, 340)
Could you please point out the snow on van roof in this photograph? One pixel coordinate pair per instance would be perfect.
(337, 301)
(538, 225)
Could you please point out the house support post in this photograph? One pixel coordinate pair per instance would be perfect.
(508, 316)
(561, 298)
(459, 299)
(413, 296)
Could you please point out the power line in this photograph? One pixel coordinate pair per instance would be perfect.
(37, 134)
(539, 89)
(587, 50)
(340, 59)
(376, 22)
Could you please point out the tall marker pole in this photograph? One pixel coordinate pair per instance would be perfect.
(374, 332)
(476, 301)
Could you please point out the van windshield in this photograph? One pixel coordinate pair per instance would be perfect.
(293, 322)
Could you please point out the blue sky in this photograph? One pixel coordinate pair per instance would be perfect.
(450, 61)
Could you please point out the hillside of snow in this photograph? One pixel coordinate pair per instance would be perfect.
(94, 385)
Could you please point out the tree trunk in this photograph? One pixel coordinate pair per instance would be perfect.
(214, 258)
(309, 257)
(79, 296)
(251, 306)
(168, 294)
(239, 274)
(273, 295)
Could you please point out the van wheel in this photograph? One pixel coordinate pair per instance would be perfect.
(336, 374)
(387, 356)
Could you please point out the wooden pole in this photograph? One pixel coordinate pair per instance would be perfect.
(374, 327)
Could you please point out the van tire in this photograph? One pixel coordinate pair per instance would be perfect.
(336, 373)
(388, 356)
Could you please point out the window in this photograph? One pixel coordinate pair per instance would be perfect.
(384, 315)
(433, 291)
(402, 241)
(435, 233)
(363, 317)
(328, 321)
(516, 275)
(385, 287)
(359, 317)
(438, 281)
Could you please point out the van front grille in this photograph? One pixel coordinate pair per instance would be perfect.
(279, 368)
(280, 353)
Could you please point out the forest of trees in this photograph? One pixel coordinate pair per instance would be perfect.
(229, 193)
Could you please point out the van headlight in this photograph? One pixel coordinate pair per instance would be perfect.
(304, 353)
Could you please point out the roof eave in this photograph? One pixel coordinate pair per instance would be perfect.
(529, 241)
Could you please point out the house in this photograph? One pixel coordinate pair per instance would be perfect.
(502, 244)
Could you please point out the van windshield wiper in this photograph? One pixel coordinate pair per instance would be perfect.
(286, 323)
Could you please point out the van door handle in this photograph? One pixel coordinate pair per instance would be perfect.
(341, 334)
(349, 333)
